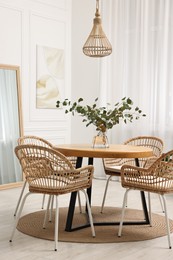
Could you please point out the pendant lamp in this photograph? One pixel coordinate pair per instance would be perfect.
(97, 44)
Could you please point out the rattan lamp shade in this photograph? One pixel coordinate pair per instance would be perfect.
(97, 44)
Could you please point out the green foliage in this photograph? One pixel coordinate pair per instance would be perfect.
(103, 117)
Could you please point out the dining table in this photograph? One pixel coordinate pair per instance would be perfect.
(113, 151)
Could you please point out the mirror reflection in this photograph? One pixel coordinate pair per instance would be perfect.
(10, 124)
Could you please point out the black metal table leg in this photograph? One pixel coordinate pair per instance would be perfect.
(143, 199)
(71, 208)
(145, 210)
(89, 192)
(71, 211)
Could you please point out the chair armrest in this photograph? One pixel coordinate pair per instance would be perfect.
(157, 178)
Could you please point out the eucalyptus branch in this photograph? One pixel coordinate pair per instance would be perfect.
(103, 117)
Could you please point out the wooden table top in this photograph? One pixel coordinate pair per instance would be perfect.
(114, 151)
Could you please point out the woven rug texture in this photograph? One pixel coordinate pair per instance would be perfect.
(32, 225)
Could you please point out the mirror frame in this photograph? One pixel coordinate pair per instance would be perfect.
(19, 96)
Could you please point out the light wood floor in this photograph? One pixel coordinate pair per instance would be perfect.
(29, 248)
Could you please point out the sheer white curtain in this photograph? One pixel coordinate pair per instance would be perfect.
(9, 128)
(140, 66)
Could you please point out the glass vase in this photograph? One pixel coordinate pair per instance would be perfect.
(100, 140)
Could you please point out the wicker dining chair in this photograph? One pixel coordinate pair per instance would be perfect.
(158, 178)
(35, 140)
(49, 172)
(112, 166)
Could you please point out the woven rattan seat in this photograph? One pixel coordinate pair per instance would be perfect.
(49, 172)
(113, 166)
(158, 178)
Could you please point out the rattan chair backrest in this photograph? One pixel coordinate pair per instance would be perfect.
(49, 171)
(157, 178)
(35, 140)
(155, 143)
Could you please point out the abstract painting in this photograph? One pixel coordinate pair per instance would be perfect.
(50, 76)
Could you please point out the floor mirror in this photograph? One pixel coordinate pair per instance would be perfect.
(11, 126)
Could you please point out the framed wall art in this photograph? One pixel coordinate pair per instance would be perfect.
(50, 76)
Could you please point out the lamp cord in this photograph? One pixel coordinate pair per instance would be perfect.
(97, 5)
(97, 14)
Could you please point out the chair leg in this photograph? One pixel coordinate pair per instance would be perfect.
(126, 203)
(51, 209)
(46, 213)
(123, 211)
(19, 214)
(161, 203)
(104, 196)
(149, 206)
(149, 203)
(52, 202)
(167, 221)
(43, 201)
(20, 197)
(56, 224)
(89, 213)
(50, 214)
(79, 200)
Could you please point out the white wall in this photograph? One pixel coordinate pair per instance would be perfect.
(23, 26)
(54, 23)
(57, 24)
(85, 81)
(85, 73)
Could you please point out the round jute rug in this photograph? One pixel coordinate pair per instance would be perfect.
(31, 224)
